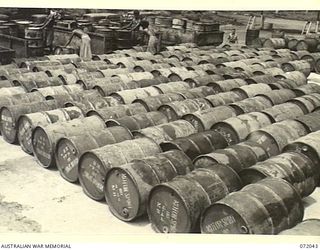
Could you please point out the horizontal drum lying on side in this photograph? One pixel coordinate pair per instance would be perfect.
(118, 111)
(128, 96)
(9, 116)
(28, 122)
(274, 137)
(283, 111)
(94, 164)
(44, 138)
(139, 121)
(196, 144)
(266, 207)
(185, 197)
(167, 131)
(69, 149)
(152, 103)
(236, 129)
(293, 167)
(205, 119)
(252, 90)
(176, 110)
(133, 181)
(253, 104)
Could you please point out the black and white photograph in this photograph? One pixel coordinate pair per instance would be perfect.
(140, 121)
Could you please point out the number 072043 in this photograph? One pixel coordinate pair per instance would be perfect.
(308, 245)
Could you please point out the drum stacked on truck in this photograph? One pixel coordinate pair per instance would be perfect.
(189, 136)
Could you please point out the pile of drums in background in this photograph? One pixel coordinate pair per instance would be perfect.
(301, 45)
(199, 139)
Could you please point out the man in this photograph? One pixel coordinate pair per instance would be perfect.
(135, 22)
(47, 26)
(232, 37)
(85, 45)
(134, 27)
(152, 39)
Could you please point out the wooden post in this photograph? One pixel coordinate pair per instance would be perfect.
(262, 20)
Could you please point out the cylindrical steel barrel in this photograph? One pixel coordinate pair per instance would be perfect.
(252, 90)
(307, 145)
(204, 80)
(275, 137)
(127, 187)
(175, 110)
(275, 43)
(224, 98)
(152, 103)
(94, 164)
(309, 44)
(227, 85)
(254, 147)
(274, 206)
(273, 71)
(283, 111)
(293, 167)
(205, 119)
(198, 92)
(9, 116)
(305, 104)
(28, 122)
(310, 121)
(21, 98)
(307, 89)
(10, 91)
(44, 138)
(167, 131)
(196, 144)
(128, 96)
(139, 121)
(6, 84)
(237, 157)
(236, 129)
(58, 90)
(118, 111)
(261, 79)
(172, 87)
(292, 44)
(314, 99)
(279, 96)
(185, 197)
(301, 65)
(253, 104)
(107, 86)
(69, 149)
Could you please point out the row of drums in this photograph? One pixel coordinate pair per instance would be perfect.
(113, 80)
(123, 148)
(309, 44)
(87, 73)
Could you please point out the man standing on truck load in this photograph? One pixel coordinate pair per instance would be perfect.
(135, 22)
(232, 37)
(47, 26)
